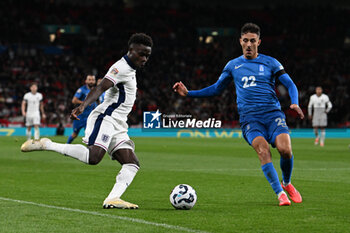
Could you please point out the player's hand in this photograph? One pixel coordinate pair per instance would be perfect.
(24, 114)
(180, 88)
(310, 117)
(76, 112)
(296, 108)
(43, 116)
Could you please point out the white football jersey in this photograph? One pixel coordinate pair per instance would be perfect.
(33, 103)
(320, 104)
(120, 98)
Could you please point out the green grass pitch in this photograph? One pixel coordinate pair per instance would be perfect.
(47, 192)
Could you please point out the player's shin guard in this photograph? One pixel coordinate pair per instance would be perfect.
(28, 133)
(123, 180)
(36, 133)
(272, 177)
(287, 168)
(76, 151)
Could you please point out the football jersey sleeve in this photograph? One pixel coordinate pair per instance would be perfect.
(25, 97)
(78, 93)
(329, 104)
(277, 68)
(40, 97)
(116, 74)
(309, 107)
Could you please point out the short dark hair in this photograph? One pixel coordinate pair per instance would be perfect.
(250, 27)
(140, 38)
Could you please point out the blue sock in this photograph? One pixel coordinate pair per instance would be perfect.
(272, 177)
(70, 140)
(287, 168)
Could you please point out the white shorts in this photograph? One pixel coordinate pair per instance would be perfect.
(107, 133)
(319, 121)
(32, 120)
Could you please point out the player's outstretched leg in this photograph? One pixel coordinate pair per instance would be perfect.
(284, 147)
(263, 150)
(130, 166)
(76, 151)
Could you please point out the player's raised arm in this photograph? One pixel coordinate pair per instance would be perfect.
(91, 97)
(293, 93)
(215, 89)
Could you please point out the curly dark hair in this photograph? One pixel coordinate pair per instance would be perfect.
(250, 27)
(140, 38)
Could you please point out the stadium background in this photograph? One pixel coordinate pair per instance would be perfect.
(57, 43)
(47, 192)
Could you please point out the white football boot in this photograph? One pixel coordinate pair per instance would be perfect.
(34, 145)
(119, 204)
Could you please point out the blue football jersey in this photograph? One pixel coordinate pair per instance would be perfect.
(81, 94)
(254, 81)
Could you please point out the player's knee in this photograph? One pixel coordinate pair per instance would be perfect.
(124, 156)
(136, 161)
(94, 161)
(132, 159)
(285, 152)
(264, 153)
(95, 155)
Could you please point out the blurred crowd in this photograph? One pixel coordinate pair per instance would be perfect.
(312, 43)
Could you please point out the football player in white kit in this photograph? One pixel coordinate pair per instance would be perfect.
(32, 105)
(106, 125)
(321, 105)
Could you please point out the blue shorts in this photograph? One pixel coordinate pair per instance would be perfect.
(78, 124)
(269, 125)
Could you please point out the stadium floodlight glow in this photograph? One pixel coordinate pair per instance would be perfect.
(209, 39)
(52, 37)
(214, 33)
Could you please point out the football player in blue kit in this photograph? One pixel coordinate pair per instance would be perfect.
(261, 119)
(78, 98)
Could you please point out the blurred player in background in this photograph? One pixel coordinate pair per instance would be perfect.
(318, 113)
(32, 105)
(78, 98)
(102, 96)
(106, 126)
(262, 121)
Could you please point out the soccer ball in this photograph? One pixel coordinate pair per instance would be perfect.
(183, 197)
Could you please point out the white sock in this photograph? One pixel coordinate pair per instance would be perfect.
(76, 151)
(285, 184)
(29, 133)
(323, 135)
(280, 193)
(36, 133)
(123, 180)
